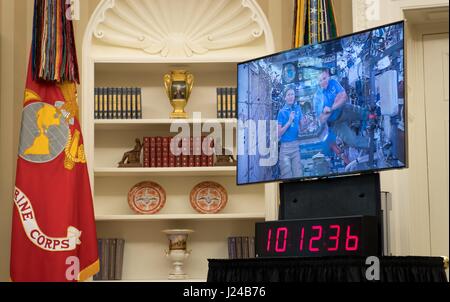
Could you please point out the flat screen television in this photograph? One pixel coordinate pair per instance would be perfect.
(329, 109)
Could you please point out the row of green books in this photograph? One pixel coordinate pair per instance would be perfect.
(110, 253)
(226, 102)
(241, 247)
(118, 103)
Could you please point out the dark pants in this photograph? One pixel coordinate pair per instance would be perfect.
(341, 127)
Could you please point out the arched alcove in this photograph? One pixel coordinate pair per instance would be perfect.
(133, 43)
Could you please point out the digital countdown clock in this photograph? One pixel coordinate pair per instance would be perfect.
(339, 236)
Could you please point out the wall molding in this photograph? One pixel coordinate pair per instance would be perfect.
(409, 229)
(174, 28)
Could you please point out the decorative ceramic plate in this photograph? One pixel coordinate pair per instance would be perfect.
(147, 198)
(208, 197)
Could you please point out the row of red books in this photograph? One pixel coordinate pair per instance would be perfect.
(162, 152)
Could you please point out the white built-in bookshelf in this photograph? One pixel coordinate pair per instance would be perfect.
(190, 171)
(120, 49)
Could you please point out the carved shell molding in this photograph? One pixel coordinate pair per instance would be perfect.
(361, 11)
(174, 28)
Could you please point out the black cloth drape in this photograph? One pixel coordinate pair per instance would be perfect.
(336, 269)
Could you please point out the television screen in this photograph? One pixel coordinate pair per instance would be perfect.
(333, 108)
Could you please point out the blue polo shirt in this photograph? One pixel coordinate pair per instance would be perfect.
(292, 132)
(330, 93)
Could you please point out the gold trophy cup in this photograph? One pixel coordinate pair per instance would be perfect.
(178, 85)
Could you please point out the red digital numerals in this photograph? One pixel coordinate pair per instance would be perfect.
(314, 239)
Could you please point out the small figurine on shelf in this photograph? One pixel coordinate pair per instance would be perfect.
(132, 158)
(224, 160)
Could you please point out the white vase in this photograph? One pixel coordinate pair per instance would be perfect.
(178, 252)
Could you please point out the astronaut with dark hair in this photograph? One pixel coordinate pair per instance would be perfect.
(290, 122)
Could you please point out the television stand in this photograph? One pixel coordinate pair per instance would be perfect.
(331, 197)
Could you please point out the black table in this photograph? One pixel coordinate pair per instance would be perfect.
(328, 269)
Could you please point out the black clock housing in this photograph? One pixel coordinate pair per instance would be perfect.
(337, 236)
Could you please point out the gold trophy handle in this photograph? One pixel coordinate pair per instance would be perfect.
(168, 86)
(189, 84)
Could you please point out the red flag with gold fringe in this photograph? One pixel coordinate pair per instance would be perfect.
(53, 228)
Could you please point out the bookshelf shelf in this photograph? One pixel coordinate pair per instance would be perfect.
(115, 59)
(155, 217)
(190, 171)
(143, 124)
